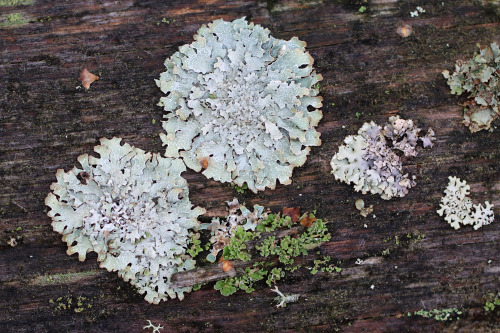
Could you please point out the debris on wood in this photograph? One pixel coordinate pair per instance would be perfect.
(87, 78)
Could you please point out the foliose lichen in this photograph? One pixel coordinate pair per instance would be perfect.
(131, 208)
(480, 77)
(267, 244)
(223, 230)
(457, 207)
(363, 211)
(241, 104)
(368, 161)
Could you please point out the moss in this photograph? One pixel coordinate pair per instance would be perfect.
(13, 19)
(10, 3)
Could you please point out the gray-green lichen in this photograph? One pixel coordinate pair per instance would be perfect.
(372, 165)
(480, 77)
(237, 102)
(131, 208)
(457, 207)
(222, 231)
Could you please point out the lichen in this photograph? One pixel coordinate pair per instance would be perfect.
(480, 77)
(223, 230)
(457, 207)
(241, 104)
(363, 211)
(368, 161)
(156, 329)
(131, 208)
(439, 314)
(283, 299)
(286, 249)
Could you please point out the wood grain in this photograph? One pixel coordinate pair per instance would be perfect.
(370, 73)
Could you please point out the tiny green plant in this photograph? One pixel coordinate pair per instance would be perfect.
(241, 189)
(492, 302)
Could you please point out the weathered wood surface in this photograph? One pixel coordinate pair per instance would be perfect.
(370, 73)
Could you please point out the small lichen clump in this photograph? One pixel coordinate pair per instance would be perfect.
(283, 299)
(480, 77)
(439, 314)
(458, 209)
(222, 231)
(368, 161)
(131, 208)
(241, 104)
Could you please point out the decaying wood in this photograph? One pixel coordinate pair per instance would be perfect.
(47, 119)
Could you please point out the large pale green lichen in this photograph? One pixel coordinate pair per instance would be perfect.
(131, 208)
(480, 77)
(241, 104)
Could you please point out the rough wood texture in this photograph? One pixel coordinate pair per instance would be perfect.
(370, 73)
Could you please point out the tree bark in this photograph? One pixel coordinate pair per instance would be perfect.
(410, 258)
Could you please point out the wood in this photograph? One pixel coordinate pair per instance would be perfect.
(370, 73)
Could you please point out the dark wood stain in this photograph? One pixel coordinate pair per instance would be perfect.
(370, 73)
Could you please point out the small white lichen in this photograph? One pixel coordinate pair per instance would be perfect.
(368, 161)
(156, 329)
(283, 299)
(222, 231)
(458, 209)
(241, 104)
(131, 208)
(12, 241)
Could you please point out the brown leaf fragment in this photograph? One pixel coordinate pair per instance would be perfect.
(404, 30)
(307, 221)
(87, 78)
(293, 212)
